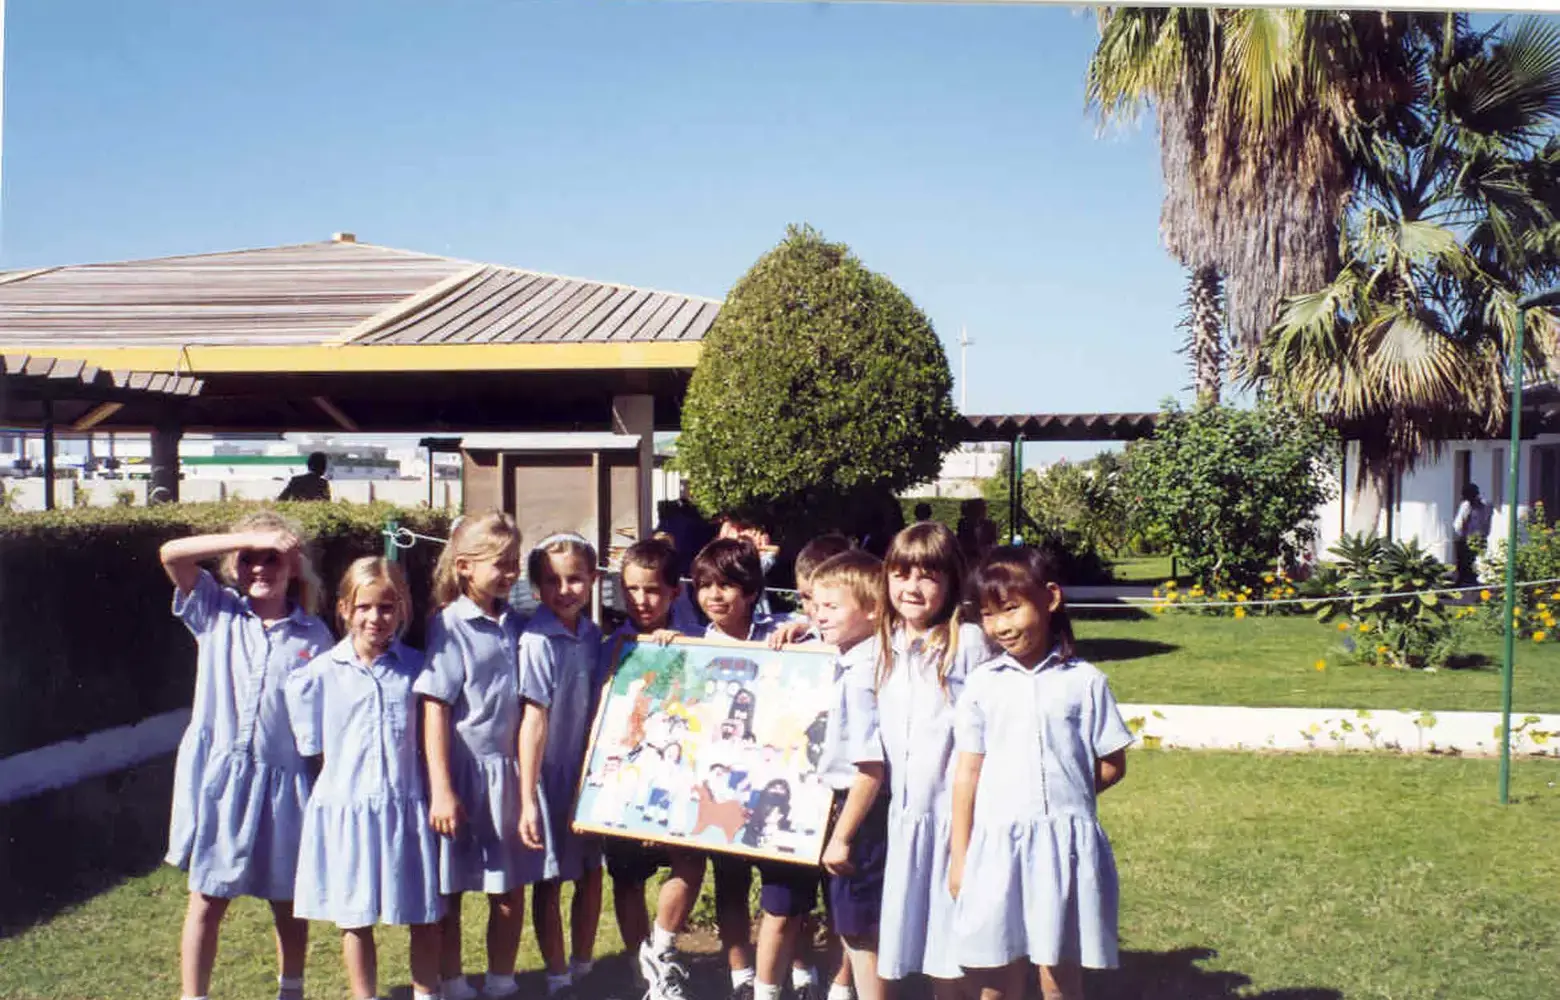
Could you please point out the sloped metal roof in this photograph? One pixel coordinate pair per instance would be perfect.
(332, 292)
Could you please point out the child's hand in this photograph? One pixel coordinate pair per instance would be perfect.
(531, 824)
(665, 636)
(836, 858)
(955, 876)
(445, 814)
(788, 633)
(284, 543)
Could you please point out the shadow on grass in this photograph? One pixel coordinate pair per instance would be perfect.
(64, 847)
(1471, 661)
(1117, 612)
(1110, 650)
(1176, 975)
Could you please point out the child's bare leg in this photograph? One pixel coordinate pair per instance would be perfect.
(547, 920)
(1061, 982)
(1002, 983)
(449, 939)
(292, 939)
(732, 918)
(948, 989)
(506, 919)
(775, 936)
(679, 892)
(362, 961)
(633, 916)
(862, 953)
(843, 975)
(198, 942)
(585, 915)
(425, 959)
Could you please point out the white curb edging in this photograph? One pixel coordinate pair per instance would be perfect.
(62, 764)
(1227, 727)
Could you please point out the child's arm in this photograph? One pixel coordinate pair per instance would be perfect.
(444, 810)
(1109, 770)
(181, 558)
(858, 802)
(533, 744)
(788, 632)
(966, 777)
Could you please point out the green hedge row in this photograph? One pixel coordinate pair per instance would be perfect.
(944, 509)
(87, 637)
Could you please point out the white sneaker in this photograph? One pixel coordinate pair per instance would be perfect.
(458, 989)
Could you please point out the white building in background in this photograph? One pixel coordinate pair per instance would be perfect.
(962, 471)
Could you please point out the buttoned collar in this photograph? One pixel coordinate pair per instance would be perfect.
(468, 610)
(1005, 661)
(342, 652)
(295, 613)
(547, 623)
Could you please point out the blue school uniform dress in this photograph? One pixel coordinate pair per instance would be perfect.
(368, 855)
(473, 667)
(561, 672)
(915, 722)
(239, 786)
(1040, 878)
(629, 862)
(850, 737)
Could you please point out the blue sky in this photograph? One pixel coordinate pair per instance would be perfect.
(656, 143)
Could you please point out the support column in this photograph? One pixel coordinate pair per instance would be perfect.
(164, 484)
(48, 453)
(636, 415)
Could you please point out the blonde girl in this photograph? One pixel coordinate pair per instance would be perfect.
(560, 679)
(368, 855)
(239, 784)
(471, 731)
(928, 650)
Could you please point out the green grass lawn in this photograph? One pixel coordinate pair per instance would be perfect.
(1141, 570)
(1182, 659)
(1282, 877)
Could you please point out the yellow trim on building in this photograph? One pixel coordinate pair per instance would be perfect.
(196, 359)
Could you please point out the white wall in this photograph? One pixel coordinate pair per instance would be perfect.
(1427, 497)
(402, 492)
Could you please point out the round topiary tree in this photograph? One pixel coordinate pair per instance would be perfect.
(821, 392)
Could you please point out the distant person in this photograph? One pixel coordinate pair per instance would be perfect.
(311, 485)
(1470, 528)
(923, 512)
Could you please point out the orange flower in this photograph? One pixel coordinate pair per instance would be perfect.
(1321, 664)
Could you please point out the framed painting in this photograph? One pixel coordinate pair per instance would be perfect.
(712, 745)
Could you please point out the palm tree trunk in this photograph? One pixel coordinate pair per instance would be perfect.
(1203, 321)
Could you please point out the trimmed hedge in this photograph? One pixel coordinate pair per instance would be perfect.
(944, 509)
(87, 637)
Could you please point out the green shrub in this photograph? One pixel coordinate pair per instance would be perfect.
(822, 391)
(944, 509)
(85, 623)
(1413, 631)
(1538, 558)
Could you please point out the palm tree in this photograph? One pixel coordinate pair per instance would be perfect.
(1203, 321)
(1453, 223)
(1258, 112)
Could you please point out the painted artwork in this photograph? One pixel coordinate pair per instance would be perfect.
(713, 745)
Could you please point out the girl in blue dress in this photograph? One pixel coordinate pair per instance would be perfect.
(368, 854)
(1039, 736)
(239, 784)
(471, 731)
(928, 650)
(560, 678)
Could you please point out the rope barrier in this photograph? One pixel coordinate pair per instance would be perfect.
(405, 538)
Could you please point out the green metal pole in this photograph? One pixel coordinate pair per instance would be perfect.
(392, 553)
(1513, 465)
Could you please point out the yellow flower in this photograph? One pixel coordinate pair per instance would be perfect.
(1380, 650)
(1169, 584)
(1156, 591)
(1484, 595)
(1268, 578)
(1240, 598)
(1321, 664)
(1159, 609)
(1516, 612)
(1224, 595)
(1539, 635)
(1343, 626)
(1240, 612)
(1542, 606)
(1364, 627)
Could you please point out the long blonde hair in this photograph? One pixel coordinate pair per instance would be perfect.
(367, 570)
(304, 588)
(486, 536)
(930, 547)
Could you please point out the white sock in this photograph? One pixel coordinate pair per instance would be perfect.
(740, 976)
(420, 995)
(499, 984)
(839, 991)
(662, 940)
(580, 968)
(195, 998)
(557, 983)
(801, 977)
(766, 991)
